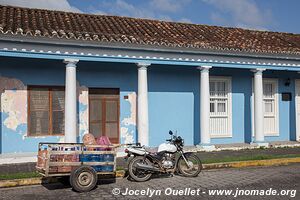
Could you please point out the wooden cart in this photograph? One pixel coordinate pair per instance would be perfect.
(79, 163)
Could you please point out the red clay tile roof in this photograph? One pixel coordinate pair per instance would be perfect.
(47, 23)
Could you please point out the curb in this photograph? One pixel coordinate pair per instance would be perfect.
(26, 181)
(121, 173)
(41, 180)
(252, 163)
(20, 182)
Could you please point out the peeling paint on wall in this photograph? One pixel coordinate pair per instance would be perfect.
(13, 127)
(83, 98)
(11, 84)
(127, 135)
(131, 120)
(14, 104)
(128, 123)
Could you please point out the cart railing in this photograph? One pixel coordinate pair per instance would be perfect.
(59, 159)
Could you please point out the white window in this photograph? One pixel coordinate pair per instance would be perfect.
(270, 98)
(220, 107)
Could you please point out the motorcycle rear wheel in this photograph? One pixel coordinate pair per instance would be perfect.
(139, 175)
(193, 168)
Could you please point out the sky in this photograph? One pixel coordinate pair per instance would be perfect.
(271, 15)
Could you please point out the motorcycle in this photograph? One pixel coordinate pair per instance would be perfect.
(169, 158)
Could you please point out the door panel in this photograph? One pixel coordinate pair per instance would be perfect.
(96, 129)
(111, 110)
(111, 130)
(104, 113)
(95, 110)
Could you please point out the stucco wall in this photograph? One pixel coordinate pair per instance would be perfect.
(287, 115)
(112, 75)
(241, 81)
(19, 73)
(173, 100)
(241, 105)
(173, 103)
(16, 74)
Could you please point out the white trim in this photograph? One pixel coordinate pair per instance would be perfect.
(229, 105)
(297, 98)
(143, 118)
(70, 101)
(276, 81)
(221, 136)
(252, 108)
(204, 105)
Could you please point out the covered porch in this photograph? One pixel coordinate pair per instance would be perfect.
(154, 96)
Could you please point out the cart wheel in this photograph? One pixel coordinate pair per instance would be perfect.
(83, 179)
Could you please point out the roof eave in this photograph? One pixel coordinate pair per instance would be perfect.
(146, 47)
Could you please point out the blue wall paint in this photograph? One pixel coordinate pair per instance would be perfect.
(44, 72)
(108, 75)
(111, 75)
(13, 141)
(171, 111)
(30, 72)
(125, 112)
(241, 105)
(81, 108)
(1, 136)
(292, 111)
(173, 98)
(34, 71)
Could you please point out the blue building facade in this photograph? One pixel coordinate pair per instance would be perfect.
(29, 66)
(173, 95)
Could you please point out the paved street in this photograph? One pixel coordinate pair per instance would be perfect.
(259, 178)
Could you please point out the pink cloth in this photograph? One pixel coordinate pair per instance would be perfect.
(103, 140)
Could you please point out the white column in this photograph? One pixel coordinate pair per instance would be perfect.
(142, 118)
(70, 101)
(204, 105)
(258, 106)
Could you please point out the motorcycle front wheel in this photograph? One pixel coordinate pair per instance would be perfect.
(139, 175)
(191, 166)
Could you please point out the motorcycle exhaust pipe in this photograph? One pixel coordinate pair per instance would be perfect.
(147, 167)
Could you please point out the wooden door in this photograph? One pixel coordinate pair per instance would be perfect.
(104, 113)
